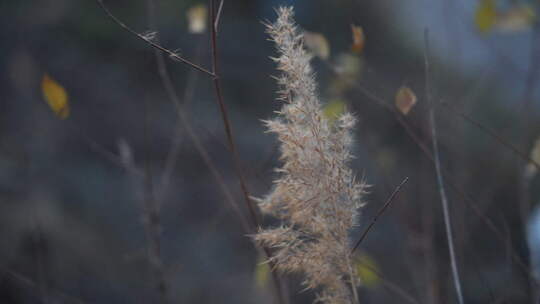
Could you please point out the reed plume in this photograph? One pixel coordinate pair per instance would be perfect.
(316, 196)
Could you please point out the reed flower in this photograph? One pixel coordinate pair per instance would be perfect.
(316, 196)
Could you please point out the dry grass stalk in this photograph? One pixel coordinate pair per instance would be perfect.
(317, 195)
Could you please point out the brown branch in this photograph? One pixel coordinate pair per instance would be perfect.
(171, 54)
(232, 146)
(185, 123)
(226, 121)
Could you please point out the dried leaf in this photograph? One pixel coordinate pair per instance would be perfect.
(55, 96)
(485, 16)
(516, 19)
(358, 38)
(405, 100)
(197, 19)
(317, 44)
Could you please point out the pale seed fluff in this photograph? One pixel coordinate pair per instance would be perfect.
(316, 196)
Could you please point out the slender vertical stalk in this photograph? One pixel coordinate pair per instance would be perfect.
(152, 218)
(464, 196)
(185, 123)
(232, 145)
(225, 117)
(440, 181)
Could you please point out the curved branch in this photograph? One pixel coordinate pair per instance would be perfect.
(171, 54)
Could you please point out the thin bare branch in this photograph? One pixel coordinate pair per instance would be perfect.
(469, 201)
(110, 156)
(492, 134)
(379, 213)
(152, 205)
(440, 180)
(218, 15)
(184, 122)
(226, 121)
(232, 146)
(173, 55)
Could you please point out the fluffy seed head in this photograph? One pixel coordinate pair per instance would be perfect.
(316, 195)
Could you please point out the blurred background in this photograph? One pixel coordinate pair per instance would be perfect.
(111, 191)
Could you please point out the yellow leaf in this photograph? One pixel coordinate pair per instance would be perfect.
(405, 100)
(485, 16)
(317, 45)
(359, 39)
(516, 19)
(197, 19)
(262, 273)
(333, 110)
(367, 270)
(55, 96)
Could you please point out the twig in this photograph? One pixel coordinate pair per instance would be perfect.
(110, 156)
(442, 191)
(492, 134)
(465, 197)
(225, 118)
(185, 123)
(171, 54)
(226, 121)
(180, 107)
(470, 201)
(379, 213)
(152, 208)
(232, 145)
(366, 231)
(152, 228)
(218, 15)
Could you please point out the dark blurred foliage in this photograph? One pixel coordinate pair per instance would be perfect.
(71, 216)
